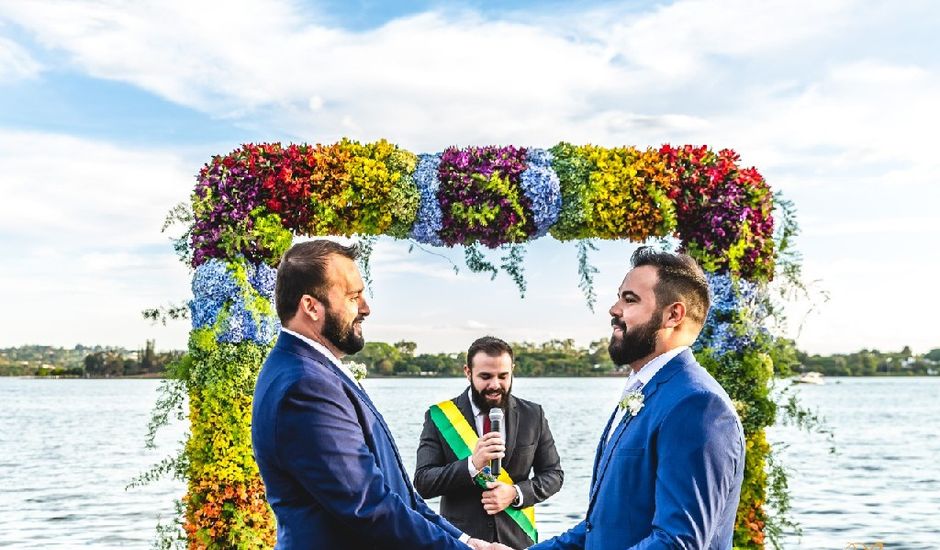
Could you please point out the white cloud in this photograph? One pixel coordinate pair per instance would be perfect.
(80, 233)
(61, 187)
(15, 62)
(804, 90)
(678, 42)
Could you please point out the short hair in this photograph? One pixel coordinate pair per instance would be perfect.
(680, 280)
(490, 345)
(302, 270)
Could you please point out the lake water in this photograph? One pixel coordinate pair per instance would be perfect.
(69, 447)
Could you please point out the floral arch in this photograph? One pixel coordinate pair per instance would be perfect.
(249, 204)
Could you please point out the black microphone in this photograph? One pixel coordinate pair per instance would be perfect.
(496, 425)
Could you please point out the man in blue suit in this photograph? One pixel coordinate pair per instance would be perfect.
(669, 466)
(331, 470)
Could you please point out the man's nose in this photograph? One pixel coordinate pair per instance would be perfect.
(364, 309)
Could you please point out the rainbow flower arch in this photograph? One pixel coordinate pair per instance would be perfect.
(248, 205)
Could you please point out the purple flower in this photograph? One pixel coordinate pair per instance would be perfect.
(466, 180)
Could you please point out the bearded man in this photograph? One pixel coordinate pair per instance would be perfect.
(449, 467)
(670, 463)
(332, 472)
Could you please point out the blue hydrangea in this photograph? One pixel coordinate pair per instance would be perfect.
(241, 325)
(216, 293)
(213, 285)
(734, 320)
(540, 184)
(428, 223)
(262, 278)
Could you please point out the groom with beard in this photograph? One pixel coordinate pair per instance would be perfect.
(670, 463)
(525, 447)
(332, 472)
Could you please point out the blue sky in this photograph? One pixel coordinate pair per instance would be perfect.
(108, 109)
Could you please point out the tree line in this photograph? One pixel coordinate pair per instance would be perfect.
(873, 363)
(557, 357)
(85, 362)
(552, 358)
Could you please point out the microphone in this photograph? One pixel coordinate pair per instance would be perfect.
(496, 425)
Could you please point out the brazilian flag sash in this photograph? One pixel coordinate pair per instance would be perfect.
(462, 439)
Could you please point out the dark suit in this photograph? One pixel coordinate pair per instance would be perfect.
(331, 469)
(529, 447)
(669, 477)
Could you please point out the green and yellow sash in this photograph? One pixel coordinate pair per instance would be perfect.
(462, 439)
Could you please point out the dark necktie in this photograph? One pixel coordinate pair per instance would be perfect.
(487, 427)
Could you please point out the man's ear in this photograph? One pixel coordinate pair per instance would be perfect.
(311, 307)
(467, 371)
(673, 315)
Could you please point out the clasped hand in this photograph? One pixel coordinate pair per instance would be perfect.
(478, 544)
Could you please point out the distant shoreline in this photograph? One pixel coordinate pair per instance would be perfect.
(160, 376)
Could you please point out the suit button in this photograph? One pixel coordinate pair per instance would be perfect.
(588, 526)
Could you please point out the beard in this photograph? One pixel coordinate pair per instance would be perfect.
(343, 336)
(484, 405)
(633, 344)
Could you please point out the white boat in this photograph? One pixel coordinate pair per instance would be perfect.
(811, 377)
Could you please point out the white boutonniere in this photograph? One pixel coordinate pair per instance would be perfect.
(358, 370)
(632, 402)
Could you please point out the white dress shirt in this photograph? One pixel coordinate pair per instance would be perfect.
(643, 376)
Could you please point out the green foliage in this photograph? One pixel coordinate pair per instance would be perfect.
(181, 214)
(365, 246)
(172, 312)
(778, 500)
(586, 272)
(404, 196)
(574, 172)
(270, 234)
(511, 264)
(477, 262)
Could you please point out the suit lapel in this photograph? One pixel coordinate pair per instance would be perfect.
(512, 428)
(669, 370)
(295, 345)
(601, 446)
(463, 405)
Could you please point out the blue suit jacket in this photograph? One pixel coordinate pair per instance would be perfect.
(670, 477)
(331, 470)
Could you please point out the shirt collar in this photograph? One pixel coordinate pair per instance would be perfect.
(326, 353)
(649, 370)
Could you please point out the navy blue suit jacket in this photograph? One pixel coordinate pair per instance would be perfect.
(670, 477)
(331, 470)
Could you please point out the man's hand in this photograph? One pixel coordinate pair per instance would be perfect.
(489, 447)
(498, 497)
(478, 544)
